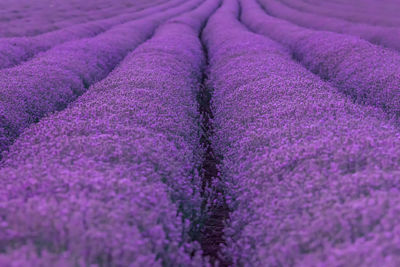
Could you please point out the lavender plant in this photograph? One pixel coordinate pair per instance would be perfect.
(368, 13)
(367, 73)
(112, 180)
(311, 177)
(30, 18)
(384, 36)
(53, 79)
(15, 50)
(199, 133)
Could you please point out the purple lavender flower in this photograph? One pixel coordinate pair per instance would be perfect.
(370, 12)
(112, 180)
(367, 73)
(53, 79)
(312, 179)
(15, 50)
(386, 36)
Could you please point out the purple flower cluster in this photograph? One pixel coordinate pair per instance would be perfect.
(312, 179)
(368, 12)
(368, 73)
(112, 180)
(385, 36)
(18, 49)
(29, 18)
(198, 133)
(53, 79)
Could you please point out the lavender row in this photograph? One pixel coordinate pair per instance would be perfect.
(16, 50)
(53, 79)
(384, 36)
(11, 10)
(389, 8)
(312, 179)
(371, 15)
(100, 10)
(368, 73)
(112, 180)
(27, 18)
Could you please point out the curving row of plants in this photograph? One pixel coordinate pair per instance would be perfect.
(370, 13)
(52, 80)
(14, 51)
(21, 18)
(197, 135)
(112, 180)
(311, 178)
(388, 37)
(368, 73)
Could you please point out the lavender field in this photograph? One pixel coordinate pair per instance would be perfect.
(199, 133)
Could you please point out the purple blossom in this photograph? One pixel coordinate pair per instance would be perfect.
(386, 36)
(52, 80)
(199, 133)
(368, 73)
(311, 177)
(18, 49)
(112, 180)
(27, 18)
(370, 12)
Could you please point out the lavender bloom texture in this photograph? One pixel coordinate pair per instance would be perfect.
(111, 180)
(386, 36)
(312, 178)
(16, 50)
(30, 18)
(368, 13)
(366, 7)
(367, 73)
(199, 133)
(53, 79)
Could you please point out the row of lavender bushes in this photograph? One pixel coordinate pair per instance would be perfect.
(312, 179)
(370, 14)
(112, 180)
(369, 74)
(364, 6)
(53, 79)
(310, 176)
(389, 9)
(13, 51)
(30, 18)
(384, 36)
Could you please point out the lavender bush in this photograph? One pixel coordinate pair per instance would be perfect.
(312, 178)
(368, 73)
(199, 133)
(29, 18)
(368, 13)
(387, 37)
(53, 79)
(112, 180)
(18, 49)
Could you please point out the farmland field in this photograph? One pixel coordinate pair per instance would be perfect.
(199, 133)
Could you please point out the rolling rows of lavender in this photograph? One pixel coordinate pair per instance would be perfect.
(199, 133)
